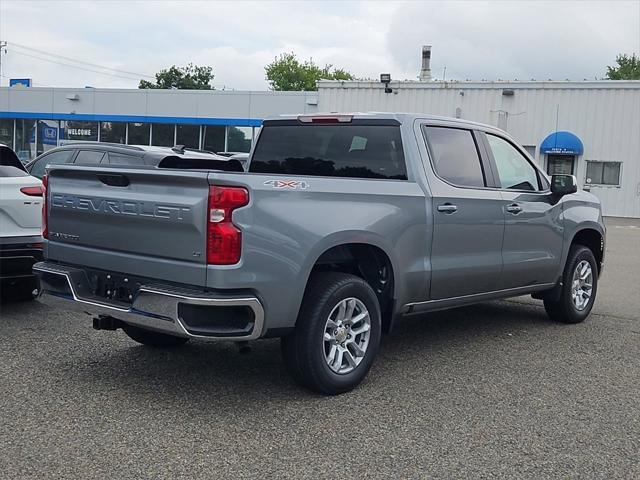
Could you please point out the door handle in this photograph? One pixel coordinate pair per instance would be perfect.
(514, 208)
(448, 208)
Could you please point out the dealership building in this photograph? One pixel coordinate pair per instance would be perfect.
(590, 129)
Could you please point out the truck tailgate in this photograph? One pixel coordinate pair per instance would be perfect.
(145, 222)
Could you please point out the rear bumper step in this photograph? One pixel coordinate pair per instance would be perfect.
(176, 311)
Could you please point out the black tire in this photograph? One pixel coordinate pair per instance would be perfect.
(303, 351)
(563, 309)
(153, 339)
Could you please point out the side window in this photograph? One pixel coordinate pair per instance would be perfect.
(514, 169)
(121, 159)
(89, 157)
(455, 156)
(55, 158)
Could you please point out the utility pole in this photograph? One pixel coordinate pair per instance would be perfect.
(3, 49)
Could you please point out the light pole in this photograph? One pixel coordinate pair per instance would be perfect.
(3, 49)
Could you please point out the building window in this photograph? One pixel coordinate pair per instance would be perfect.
(76, 130)
(6, 132)
(139, 134)
(560, 164)
(188, 135)
(603, 173)
(113, 132)
(48, 132)
(213, 138)
(162, 134)
(239, 139)
(25, 146)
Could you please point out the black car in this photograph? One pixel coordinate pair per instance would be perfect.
(92, 153)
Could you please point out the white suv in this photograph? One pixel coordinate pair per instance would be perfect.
(20, 226)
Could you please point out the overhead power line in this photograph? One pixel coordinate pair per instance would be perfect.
(74, 60)
(129, 77)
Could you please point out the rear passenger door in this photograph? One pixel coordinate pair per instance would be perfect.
(533, 232)
(468, 221)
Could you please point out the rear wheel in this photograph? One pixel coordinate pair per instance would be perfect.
(153, 339)
(337, 334)
(579, 287)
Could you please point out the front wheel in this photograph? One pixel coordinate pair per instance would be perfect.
(579, 287)
(153, 339)
(337, 334)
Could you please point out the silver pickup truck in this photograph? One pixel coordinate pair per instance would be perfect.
(341, 224)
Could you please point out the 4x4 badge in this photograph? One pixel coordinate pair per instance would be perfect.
(288, 184)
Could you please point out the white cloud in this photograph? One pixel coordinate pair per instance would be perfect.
(472, 39)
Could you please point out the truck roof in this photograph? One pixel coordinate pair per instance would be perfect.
(401, 117)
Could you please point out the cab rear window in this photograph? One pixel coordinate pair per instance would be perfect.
(356, 151)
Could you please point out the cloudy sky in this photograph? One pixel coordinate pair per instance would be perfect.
(472, 39)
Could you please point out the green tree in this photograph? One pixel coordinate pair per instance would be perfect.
(628, 68)
(287, 73)
(191, 77)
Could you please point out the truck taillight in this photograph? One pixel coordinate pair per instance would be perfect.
(224, 239)
(45, 226)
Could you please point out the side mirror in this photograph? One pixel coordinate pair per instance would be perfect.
(564, 184)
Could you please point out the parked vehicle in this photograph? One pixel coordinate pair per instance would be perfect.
(20, 226)
(342, 224)
(95, 153)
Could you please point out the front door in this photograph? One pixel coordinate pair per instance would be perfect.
(468, 223)
(560, 164)
(533, 232)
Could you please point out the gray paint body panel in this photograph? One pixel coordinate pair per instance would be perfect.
(438, 260)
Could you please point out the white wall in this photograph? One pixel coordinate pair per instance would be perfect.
(156, 103)
(605, 115)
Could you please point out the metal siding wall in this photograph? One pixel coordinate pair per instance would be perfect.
(604, 115)
(155, 103)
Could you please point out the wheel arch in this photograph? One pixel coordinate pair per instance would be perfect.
(367, 258)
(594, 240)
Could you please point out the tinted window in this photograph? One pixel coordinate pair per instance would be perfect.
(139, 134)
(514, 170)
(121, 159)
(162, 134)
(213, 138)
(79, 130)
(331, 150)
(188, 135)
(114, 132)
(239, 139)
(455, 156)
(89, 157)
(54, 158)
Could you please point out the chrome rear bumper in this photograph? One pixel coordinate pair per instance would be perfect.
(154, 307)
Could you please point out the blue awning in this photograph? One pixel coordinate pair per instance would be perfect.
(566, 143)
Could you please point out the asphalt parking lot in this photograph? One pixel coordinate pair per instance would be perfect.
(495, 390)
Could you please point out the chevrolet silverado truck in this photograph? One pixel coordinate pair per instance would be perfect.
(340, 224)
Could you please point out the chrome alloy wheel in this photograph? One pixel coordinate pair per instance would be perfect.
(346, 335)
(582, 285)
